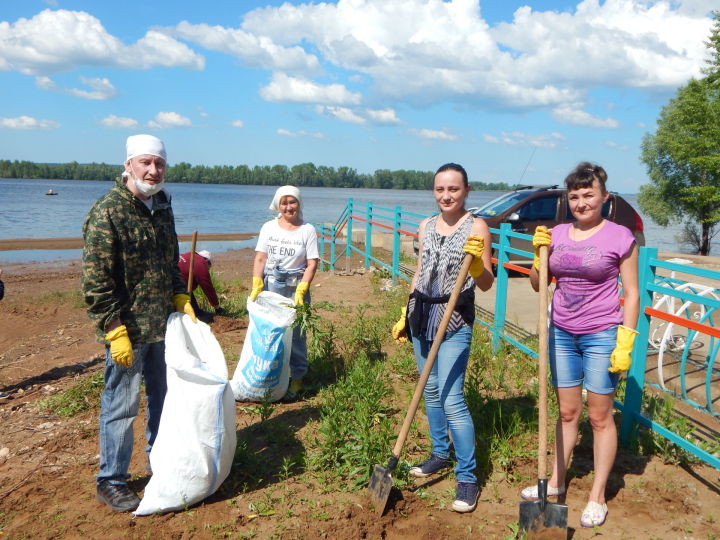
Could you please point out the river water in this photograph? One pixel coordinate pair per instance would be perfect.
(26, 211)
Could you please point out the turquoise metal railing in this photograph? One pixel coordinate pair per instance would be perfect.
(634, 390)
(399, 223)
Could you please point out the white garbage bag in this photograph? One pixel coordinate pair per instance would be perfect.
(195, 445)
(264, 365)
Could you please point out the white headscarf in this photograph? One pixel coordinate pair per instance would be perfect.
(282, 192)
(206, 254)
(138, 145)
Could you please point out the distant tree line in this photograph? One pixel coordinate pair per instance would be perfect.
(304, 174)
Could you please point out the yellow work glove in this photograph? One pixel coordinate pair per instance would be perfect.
(620, 357)
(120, 346)
(300, 291)
(475, 247)
(541, 237)
(257, 288)
(183, 305)
(399, 333)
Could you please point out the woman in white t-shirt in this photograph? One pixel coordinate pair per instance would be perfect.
(285, 262)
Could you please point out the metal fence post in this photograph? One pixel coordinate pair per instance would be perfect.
(332, 248)
(368, 235)
(321, 234)
(636, 373)
(501, 286)
(349, 229)
(396, 245)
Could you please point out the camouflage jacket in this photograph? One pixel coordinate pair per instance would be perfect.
(130, 264)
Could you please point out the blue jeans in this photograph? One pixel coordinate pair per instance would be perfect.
(119, 405)
(445, 400)
(577, 359)
(298, 354)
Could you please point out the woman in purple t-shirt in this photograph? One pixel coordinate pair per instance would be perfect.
(590, 336)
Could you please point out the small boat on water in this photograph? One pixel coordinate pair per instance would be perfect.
(51, 192)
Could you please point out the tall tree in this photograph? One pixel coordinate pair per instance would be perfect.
(683, 157)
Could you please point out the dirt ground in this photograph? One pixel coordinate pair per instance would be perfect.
(48, 463)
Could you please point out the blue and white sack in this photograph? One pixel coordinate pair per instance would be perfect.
(264, 365)
(195, 444)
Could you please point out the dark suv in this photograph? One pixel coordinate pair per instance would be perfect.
(530, 206)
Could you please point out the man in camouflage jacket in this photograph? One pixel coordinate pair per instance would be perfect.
(131, 283)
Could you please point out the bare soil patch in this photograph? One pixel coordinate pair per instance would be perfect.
(48, 462)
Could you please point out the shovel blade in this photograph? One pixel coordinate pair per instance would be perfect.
(550, 518)
(381, 484)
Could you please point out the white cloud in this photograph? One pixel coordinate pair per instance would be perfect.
(616, 146)
(698, 8)
(358, 115)
(237, 123)
(641, 125)
(165, 120)
(286, 89)
(518, 138)
(433, 134)
(301, 133)
(570, 114)
(55, 41)
(382, 116)
(254, 49)
(112, 121)
(427, 51)
(341, 113)
(621, 43)
(27, 122)
(103, 88)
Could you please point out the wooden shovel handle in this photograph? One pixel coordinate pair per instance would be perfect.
(543, 362)
(192, 263)
(432, 355)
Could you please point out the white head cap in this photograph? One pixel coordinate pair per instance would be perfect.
(205, 253)
(282, 192)
(138, 145)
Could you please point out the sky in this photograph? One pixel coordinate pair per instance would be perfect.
(515, 91)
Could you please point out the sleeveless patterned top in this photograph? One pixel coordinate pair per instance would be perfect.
(441, 261)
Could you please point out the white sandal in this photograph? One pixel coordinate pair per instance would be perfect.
(531, 493)
(594, 514)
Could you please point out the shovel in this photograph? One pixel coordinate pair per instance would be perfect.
(381, 480)
(543, 517)
(192, 262)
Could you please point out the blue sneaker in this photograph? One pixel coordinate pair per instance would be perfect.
(430, 466)
(466, 496)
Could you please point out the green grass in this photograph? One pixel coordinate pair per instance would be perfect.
(73, 297)
(82, 396)
(354, 431)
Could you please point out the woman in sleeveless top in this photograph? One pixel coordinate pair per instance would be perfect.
(443, 240)
(591, 337)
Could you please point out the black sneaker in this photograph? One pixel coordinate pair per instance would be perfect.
(118, 497)
(466, 496)
(430, 466)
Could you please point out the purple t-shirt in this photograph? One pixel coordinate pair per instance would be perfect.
(586, 298)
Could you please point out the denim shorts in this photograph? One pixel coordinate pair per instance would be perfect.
(577, 359)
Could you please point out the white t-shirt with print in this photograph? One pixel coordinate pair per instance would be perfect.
(287, 249)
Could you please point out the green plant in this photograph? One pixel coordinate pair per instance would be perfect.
(80, 397)
(265, 506)
(354, 431)
(264, 409)
(246, 464)
(662, 411)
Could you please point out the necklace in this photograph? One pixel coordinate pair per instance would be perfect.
(577, 234)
